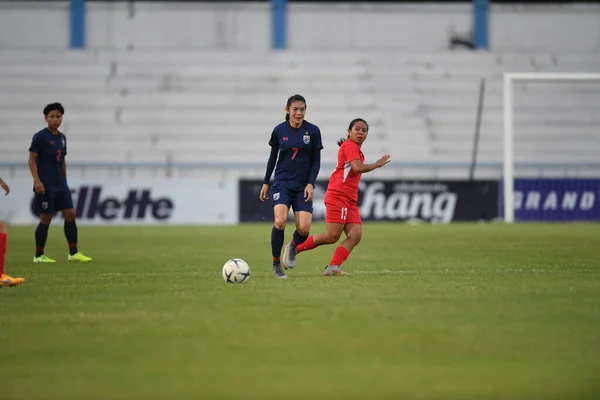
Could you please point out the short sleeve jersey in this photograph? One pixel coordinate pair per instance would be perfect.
(297, 147)
(343, 181)
(51, 150)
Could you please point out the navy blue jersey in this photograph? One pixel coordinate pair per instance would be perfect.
(299, 154)
(51, 150)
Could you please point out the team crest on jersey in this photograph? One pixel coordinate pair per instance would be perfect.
(306, 138)
(64, 142)
(275, 196)
(44, 205)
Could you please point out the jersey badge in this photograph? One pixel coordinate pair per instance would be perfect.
(306, 138)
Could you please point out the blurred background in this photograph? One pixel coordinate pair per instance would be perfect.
(170, 104)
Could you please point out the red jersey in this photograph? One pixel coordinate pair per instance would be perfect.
(343, 181)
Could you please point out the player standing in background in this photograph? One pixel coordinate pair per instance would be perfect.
(296, 158)
(49, 170)
(341, 198)
(5, 280)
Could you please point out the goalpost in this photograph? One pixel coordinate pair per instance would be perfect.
(509, 79)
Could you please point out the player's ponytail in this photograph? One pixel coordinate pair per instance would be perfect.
(287, 116)
(341, 140)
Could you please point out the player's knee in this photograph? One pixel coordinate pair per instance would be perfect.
(303, 230)
(280, 224)
(2, 227)
(355, 238)
(331, 237)
(46, 219)
(69, 215)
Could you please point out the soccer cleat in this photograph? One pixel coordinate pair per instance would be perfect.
(6, 280)
(332, 270)
(278, 271)
(78, 257)
(43, 259)
(288, 259)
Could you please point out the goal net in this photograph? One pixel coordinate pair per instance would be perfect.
(551, 147)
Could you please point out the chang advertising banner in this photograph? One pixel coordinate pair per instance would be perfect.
(386, 200)
(134, 202)
(555, 199)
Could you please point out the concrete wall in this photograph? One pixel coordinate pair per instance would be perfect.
(240, 26)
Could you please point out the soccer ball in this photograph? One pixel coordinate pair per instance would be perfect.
(236, 270)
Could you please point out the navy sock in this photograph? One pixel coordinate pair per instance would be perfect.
(41, 234)
(71, 235)
(277, 237)
(298, 239)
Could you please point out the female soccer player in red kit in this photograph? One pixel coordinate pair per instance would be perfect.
(342, 214)
(5, 280)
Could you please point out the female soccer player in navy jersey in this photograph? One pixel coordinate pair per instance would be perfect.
(296, 158)
(5, 280)
(341, 197)
(47, 164)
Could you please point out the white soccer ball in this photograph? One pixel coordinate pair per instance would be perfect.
(236, 270)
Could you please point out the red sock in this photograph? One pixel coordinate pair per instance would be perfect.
(339, 256)
(2, 252)
(308, 244)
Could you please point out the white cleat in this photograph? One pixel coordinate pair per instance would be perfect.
(278, 271)
(334, 270)
(288, 259)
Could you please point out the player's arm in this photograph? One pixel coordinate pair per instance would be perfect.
(271, 164)
(5, 187)
(360, 168)
(64, 159)
(274, 143)
(37, 182)
(34, 151)
(264, 190)
(315, 167)
(64, 168)
(315, 159)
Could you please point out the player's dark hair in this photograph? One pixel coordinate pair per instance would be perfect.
(291, 100)
(352, 123)
(54, 107)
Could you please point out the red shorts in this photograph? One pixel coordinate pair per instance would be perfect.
(341, 210)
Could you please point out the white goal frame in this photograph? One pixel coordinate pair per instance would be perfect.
(509, 78)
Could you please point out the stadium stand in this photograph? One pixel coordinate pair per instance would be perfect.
(220, 107)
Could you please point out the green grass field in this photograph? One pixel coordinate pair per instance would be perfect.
(430, 312)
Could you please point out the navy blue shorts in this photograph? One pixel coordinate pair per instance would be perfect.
(50, 202)
(293, 199)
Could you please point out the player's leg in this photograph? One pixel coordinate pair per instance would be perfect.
(5, 280)
(303, 220)
(45, 206)
(333, 231)
(335, 219)
(64, 202)
(353, 230)
(281, 209)
(353, 236)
